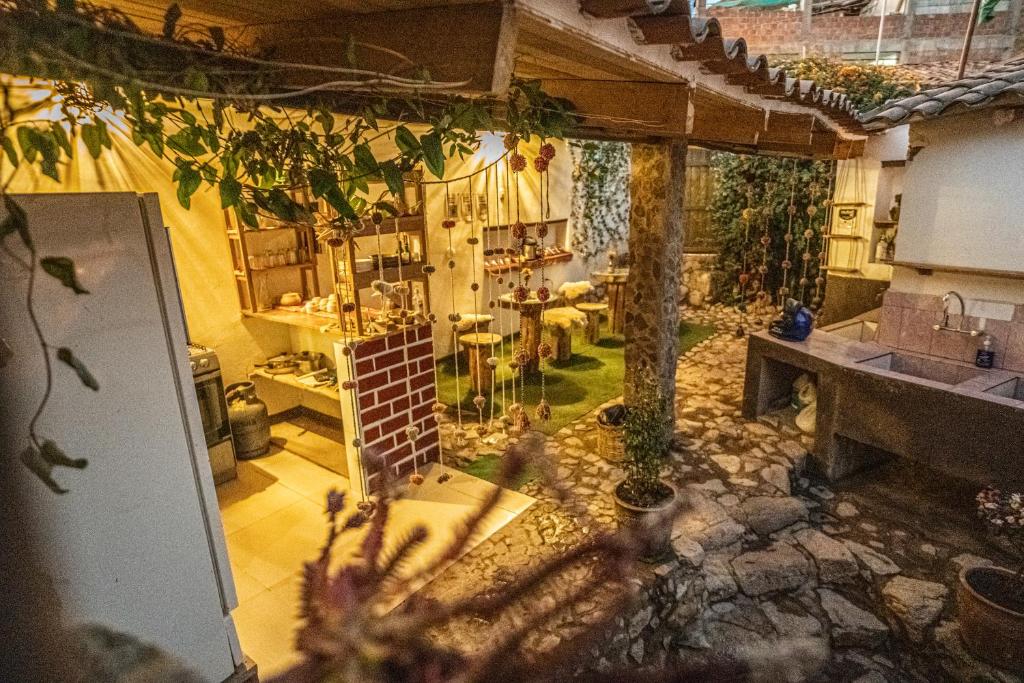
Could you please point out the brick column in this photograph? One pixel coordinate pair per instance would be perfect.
(655, 250)
(395, 387)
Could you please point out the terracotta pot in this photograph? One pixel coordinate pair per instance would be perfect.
(629, 515)
(992, 632)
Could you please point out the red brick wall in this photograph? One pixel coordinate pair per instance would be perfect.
(383, 397)
(781, 32)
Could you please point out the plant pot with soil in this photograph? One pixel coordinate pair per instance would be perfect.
(991, 599)
(643, 501)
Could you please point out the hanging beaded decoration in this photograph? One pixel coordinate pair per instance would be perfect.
(819, 279)
(510, 144)
(459, 436)
(808, 236)
(541, 163)
(479, 400)
(517, 163)
(412, 432)
(763, 301)
(791, 211)
(492, 360)
(350, 344)
(746, 217)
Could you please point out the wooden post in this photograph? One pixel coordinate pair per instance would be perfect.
(968, 37)
(655, 251)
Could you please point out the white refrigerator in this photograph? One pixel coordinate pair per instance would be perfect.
(137, 543)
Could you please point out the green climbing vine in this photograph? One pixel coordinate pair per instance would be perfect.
(600, 195)
(226, 118)
(768, 180)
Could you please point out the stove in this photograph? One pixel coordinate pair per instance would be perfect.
(202, 359)
(214, 411)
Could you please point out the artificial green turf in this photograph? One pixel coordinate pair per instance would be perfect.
(488, 468)
(592, 376)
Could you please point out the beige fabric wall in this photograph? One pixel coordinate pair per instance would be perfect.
(201, 249)
(198, 241)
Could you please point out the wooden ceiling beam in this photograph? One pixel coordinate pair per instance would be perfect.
(478, 46)
(634, 108)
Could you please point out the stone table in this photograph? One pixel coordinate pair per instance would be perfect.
(614, 282)
(529, 324)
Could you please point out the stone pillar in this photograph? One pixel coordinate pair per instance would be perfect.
(655, 249)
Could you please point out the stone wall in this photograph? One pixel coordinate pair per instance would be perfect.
(695, 285)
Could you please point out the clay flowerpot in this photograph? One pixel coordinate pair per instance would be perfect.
(992, 626)
(633, 516)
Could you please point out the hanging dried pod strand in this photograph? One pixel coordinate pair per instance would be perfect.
(412, 432)
(453, 317)
(523, 352)
(819, 277)
(508, 253)
(489, 289)
(497, 289)
(543, 293)
(474, 286)
(787, 264)
(766, 240)
(348, 353)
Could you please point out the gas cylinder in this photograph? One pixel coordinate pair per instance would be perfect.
(250, 422)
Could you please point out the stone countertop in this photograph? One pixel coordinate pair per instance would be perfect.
(823, 348)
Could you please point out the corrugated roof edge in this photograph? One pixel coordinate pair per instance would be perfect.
(1001, 84)
(700, 39)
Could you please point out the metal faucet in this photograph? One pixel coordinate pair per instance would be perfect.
(944, 325)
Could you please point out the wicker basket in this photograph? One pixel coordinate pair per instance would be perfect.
(609, 442)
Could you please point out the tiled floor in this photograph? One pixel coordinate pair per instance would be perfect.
(273, 518)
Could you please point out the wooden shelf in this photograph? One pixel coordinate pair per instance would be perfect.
(854, 238)
(289, 266)
(885, 224)
(256, 231)
(533, 224)
(292, 380)
(411, 271)
(410, 223)
(545, 261)
(297, 318)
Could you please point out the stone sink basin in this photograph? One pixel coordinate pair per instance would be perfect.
(1013, 389)
(857, 330)
(931, 369)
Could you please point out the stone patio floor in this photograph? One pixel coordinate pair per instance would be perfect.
(852, 582)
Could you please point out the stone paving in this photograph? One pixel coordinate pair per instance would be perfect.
(824, 583)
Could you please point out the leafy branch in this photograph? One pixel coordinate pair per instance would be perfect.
(232, 121)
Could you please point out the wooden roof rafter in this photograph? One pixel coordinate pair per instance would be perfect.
(635, 69)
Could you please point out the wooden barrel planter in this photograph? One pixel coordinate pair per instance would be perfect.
(991, 620)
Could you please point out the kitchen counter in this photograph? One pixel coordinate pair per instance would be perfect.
(875, 402)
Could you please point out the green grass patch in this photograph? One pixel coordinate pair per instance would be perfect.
(488, 468)
(592, 376)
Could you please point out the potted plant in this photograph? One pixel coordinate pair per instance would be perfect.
(991, 599)
(643, 499)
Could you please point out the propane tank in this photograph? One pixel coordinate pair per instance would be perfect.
(250, 422)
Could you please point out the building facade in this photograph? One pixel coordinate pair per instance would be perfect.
(913, 31)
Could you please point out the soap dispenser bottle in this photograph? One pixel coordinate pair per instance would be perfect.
(985, 357)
